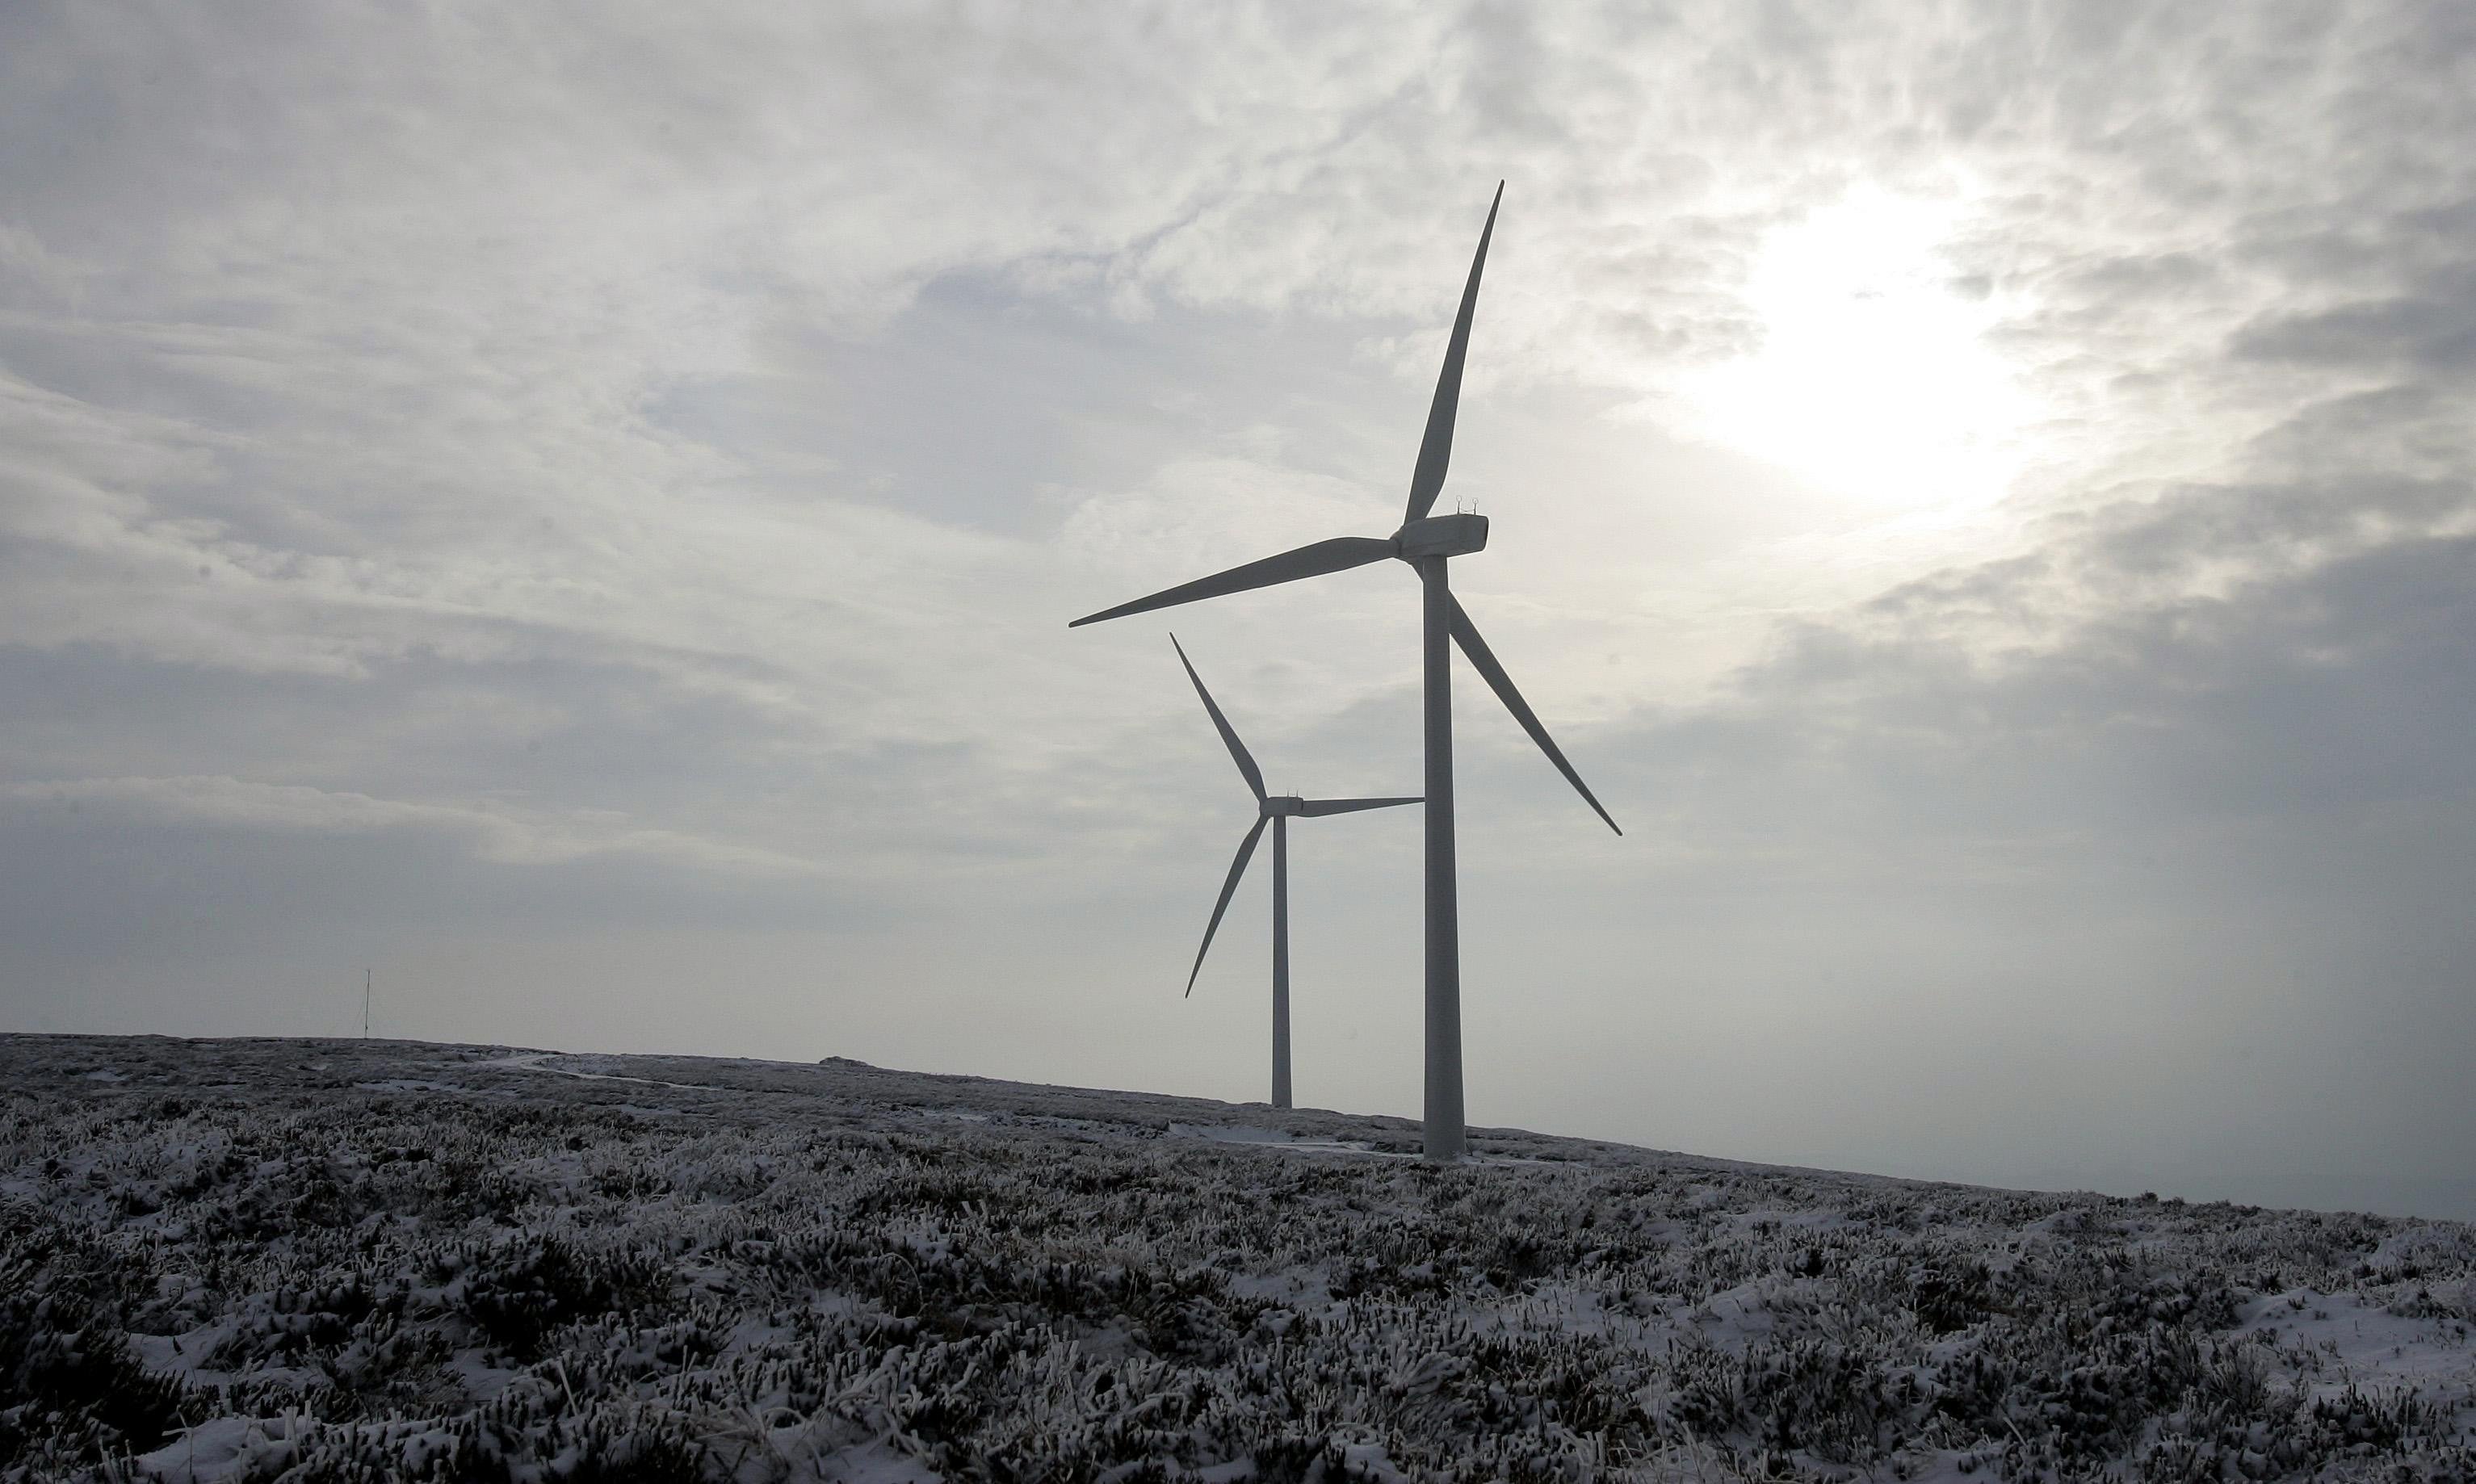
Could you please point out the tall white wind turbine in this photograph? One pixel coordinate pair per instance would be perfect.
(1427, 542)
(1277, 810)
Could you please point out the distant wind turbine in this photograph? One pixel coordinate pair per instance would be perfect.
(1426, 542)
(1277, 810)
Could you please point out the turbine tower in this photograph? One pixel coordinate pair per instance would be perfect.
(1277, 811)
(1427, 542)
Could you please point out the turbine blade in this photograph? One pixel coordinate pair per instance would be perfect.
(1247, 768)
(1338, 555)
(1436, 449)
(1228, 889)
(1483, 660)
(1319, 806)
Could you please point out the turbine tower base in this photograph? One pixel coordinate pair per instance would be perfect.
(1442, 1128)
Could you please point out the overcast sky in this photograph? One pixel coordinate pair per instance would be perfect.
(576, 509)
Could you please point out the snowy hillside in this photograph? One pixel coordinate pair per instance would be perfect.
(356, 1260)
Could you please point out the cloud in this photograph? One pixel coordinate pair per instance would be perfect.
(401, 321)
(2430, 331)
(494, 833)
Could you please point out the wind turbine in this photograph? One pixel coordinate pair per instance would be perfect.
(1427, 542)
(1277, 810)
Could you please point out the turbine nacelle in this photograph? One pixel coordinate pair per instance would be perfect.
(1284, 806)
(1441, 536)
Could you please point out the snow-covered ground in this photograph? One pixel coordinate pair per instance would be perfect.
(252, 1260)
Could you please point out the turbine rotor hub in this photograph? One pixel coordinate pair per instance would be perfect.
(1442, 535)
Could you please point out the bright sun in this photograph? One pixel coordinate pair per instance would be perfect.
(1873, 379)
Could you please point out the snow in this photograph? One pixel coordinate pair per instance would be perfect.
(1280, 1139)
(234, 1261)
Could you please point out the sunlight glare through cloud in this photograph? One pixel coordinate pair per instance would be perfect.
(1873, 379)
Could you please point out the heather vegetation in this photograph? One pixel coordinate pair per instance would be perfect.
(349, 1261)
